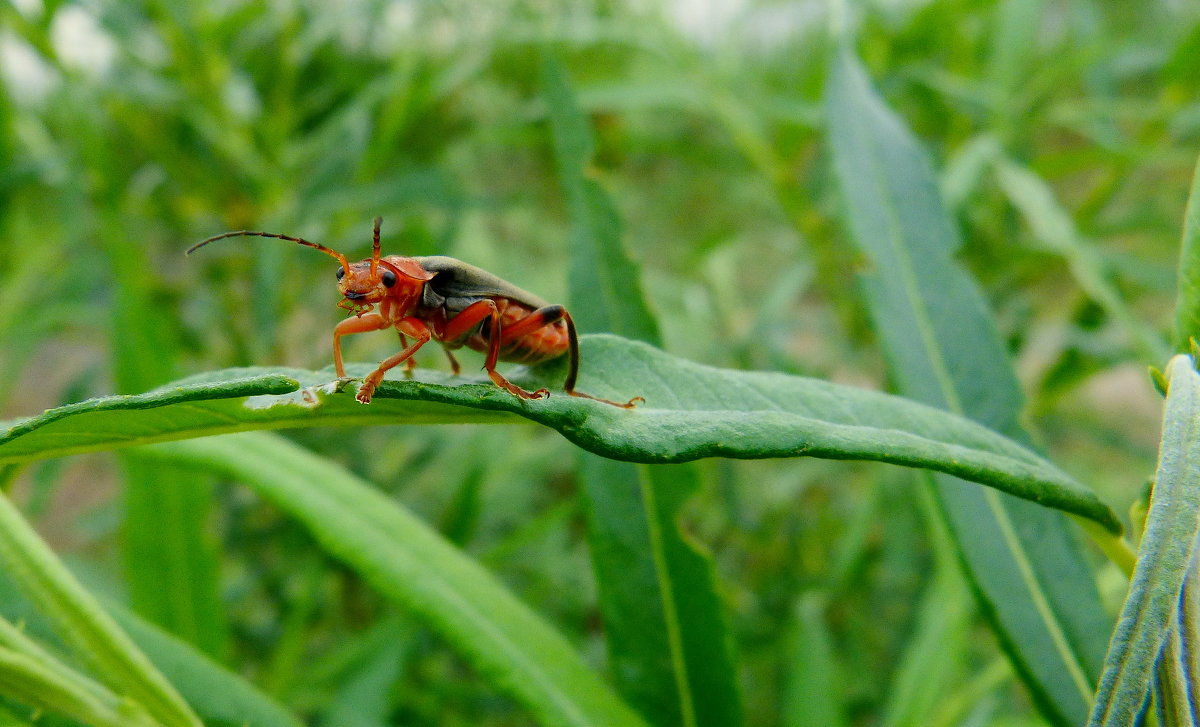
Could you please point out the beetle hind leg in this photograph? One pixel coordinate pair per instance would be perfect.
(548, 316)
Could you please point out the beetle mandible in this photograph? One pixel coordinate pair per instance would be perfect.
(452, 302)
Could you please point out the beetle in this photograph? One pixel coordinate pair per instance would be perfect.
(444, 299)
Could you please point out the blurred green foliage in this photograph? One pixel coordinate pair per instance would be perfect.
(1065, 135)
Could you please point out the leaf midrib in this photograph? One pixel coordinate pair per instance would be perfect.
(954, 404)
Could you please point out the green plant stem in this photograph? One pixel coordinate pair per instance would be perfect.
(83, 624)
(1116, 547)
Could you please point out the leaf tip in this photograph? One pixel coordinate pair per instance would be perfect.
(1159, 379)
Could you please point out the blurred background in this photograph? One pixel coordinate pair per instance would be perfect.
(1064, 131)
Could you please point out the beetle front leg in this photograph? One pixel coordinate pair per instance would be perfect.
(411, 363)
(412, 327)
(360, 324)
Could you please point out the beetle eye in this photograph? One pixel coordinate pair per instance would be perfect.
(341, 273)
(389, 278)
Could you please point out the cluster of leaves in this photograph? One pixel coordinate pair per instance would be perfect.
(789, 220)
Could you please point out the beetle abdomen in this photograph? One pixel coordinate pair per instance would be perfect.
(540, 344)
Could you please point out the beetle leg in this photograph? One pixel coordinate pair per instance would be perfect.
(413, 327)
(360, 324)
(550, 315)
(454, 367)
(411, 363)
(485, 310)
(573, 368)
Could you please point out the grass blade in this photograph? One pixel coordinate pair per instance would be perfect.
(668, 638)
(692, 411)
(943, 349)
(1164, 557)
(218, 695)
(1187, 301)
(408, 562)
(170, 564)
(83, 624)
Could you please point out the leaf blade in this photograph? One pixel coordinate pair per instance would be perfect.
(943, 349)
(410, 563)
(1164, 557)
(83, 623)
(668, 637)
(1187, 298)
(717, 413)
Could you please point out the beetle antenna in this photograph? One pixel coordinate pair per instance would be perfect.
(316, 246)
(375, 247)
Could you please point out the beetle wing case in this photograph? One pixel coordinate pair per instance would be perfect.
(456, 285)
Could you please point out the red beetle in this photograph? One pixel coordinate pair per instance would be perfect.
(447, 300)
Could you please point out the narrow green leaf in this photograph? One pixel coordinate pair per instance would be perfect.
(934, 654)
(365, 695)
(943, 349)
(410, 563)
(220, 697)
(170, 562)
(1053, 227)
(83, 624)
(29, 681)
(1187, 300)
(600, 268)
(691, 411)
(1188, 626)
(814, 692)
(1173, 682)
(1164, 557)
(38, 678)
(667, 636)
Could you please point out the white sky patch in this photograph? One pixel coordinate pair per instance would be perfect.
(81, 42)
(27, 76)
(706, 21)
(29, 8)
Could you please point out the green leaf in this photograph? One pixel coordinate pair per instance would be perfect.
(408, 562)
(170, 562)
(34, 676)
(1187, 302)
(1053, 227)
(1164, 557)
(691, 411)
(669, 641)
(364, 698)
(27, 680)
(218, 695)
(83, 624)
(668, 638)
(935, 651)
(943, 349)
(815, 689)
(600, 267)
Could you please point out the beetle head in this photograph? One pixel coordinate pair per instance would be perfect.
(364, 284)
(367, 283)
